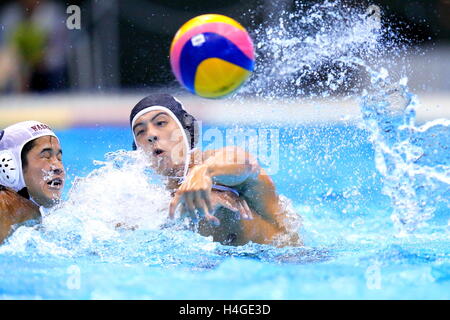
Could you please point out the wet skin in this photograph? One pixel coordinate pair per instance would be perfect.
(44, 174)
(260, 218)
(44, 178)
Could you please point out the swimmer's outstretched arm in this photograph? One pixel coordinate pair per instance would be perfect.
(230, 166)
(14, 209)
(233, 166)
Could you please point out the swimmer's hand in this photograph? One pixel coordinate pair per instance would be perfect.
(232, 202)
(195, 194)
(227, 200)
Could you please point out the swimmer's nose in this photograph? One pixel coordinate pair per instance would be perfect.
(57, 168)
(152, 139)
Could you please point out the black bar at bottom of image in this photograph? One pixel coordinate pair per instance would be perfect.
(226, 309)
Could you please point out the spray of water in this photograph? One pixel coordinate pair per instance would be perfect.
(119, 212)
(118, 196)
(329, 49)
(319, 50)
(302, 53)
(413, 159)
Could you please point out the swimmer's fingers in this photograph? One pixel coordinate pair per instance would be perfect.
(237, 205)
(232, 205)
(188, 198)
(203, 208)
(186, 214)
(200, 204)
(241, 211)
(212, 219)
(184, 211)
(246, 208)
(185, 198)
(206, 195)
(174, 204)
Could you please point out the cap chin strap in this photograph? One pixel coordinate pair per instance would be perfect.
(185, 139)
(186, 165)
(34, 201)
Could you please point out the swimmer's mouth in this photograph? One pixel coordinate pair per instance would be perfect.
(55, 183)
(158, 152)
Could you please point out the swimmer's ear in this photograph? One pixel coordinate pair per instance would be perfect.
(134, 146)
(1, 134)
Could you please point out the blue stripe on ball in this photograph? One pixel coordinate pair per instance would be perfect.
(215, 46)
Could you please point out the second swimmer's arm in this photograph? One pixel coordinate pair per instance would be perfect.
(14, 209)
(230, 166)
(233, 166)
(5, 217)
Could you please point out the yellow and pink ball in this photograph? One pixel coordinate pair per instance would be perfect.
(212, 55)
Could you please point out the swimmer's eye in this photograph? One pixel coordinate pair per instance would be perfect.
(139, 132)
(46, 155)
(161, 123)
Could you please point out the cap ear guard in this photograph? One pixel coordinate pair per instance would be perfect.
(9, 171)
(188, 120)
(191, 126)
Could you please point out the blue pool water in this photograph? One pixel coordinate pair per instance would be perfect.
(352, 249)
(373, 196)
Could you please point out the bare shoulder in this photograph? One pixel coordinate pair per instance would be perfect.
(16, 208)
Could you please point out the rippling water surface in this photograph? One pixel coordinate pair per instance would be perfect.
(373, 196)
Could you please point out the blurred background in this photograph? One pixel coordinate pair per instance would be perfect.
(121, 52)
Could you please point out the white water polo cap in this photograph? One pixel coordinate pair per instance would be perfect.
(174, 109)
(12, 141)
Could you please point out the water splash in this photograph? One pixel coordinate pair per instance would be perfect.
(414, 160)
(329, 49)
(116, 197)
(304, 52)
(319, 50)
(119, 213)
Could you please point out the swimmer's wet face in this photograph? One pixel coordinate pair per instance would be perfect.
(44, 171)
(161, 138)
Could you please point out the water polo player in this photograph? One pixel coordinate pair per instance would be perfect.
(163, 129)
(31, 173)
